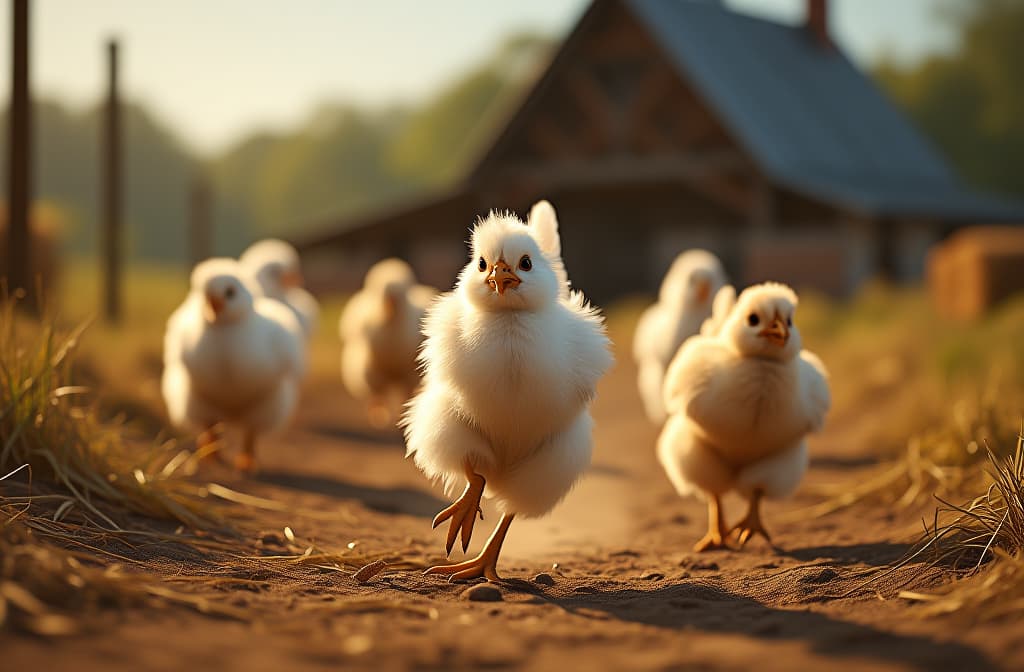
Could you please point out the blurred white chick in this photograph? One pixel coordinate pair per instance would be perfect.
(381, 333)
(740, 405)
(275, 266)
(510, 368)
(231, 357)
(725, 299)
(684, 302)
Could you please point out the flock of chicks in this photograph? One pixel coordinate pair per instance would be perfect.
(497, 375)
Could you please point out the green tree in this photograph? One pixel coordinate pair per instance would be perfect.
(971, 101)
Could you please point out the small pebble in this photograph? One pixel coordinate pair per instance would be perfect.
(482, 592)
(544, 579)
(653, 576)
(625, 552)
(698, 564)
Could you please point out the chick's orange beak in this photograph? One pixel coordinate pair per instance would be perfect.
(214, 305)
(777, 332)
(502, 278)
(703, 290)
(292, 279)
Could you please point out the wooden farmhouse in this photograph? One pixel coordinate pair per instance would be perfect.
(661, 125)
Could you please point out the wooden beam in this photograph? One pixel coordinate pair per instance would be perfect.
(652, 89)
(111, 191)
(19, 163)
(705, 173)
(598, 130)
(544, 137)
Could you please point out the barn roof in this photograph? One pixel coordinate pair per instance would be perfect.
(810, 118)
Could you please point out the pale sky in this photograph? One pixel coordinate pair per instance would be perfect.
(216, 70)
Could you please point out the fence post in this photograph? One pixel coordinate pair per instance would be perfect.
(111, 191)
(19, 163)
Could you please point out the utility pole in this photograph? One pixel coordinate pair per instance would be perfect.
(19, 162)
(200, 223)
(110, 198)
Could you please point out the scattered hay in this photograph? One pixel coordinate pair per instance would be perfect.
(66, 444)
(919, 393)
(88, 515)
(55, 576)
(964, 538)
(944, 460)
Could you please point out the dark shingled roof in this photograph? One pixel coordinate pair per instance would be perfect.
(811, 120)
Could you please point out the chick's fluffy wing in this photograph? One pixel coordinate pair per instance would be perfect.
(288, 335)
(648, 333)
(690, 376)
(724, 301)
(814, 389)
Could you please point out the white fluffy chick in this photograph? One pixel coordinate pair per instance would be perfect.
(231, 357)
(381, 333)
(510, 368)
(684, 302)
(275, 266)
(740, 405)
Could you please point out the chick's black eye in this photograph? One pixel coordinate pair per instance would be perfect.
(753, 320)
(525, 264)
(789, 321)
(229, 293)
(482, 264)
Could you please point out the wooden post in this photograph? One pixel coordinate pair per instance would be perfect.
(19, 164)
(111, 192)
(200, 224)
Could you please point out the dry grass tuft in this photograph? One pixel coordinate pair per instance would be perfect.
(921, 394)
(44, 424)
(88, 511)
(965, 538)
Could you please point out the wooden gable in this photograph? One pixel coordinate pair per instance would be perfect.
(611, 109)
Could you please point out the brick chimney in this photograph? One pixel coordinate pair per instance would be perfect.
(817, 23)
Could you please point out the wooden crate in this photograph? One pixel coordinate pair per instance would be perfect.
(975, 269)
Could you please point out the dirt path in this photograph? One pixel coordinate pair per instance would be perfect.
(625, 592)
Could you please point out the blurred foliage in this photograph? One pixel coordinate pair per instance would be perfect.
(157, 172)
(971, 101)
(926, 394)
(344, 159)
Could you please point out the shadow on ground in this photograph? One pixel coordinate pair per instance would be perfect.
(408, 501)
(879, 554)
(702, 607)
(357, 436)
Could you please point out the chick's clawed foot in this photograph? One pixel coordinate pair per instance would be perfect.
(463, 513)
(482, 566)
(208, 446)
(379, 414)
(751, 525)
(711, 541)
(245, 461)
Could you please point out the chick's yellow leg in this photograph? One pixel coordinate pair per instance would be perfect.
(208, 445)
(379, 413)
(463, 512)
(484, 565)
(751, 524)
(245, 461)
(715, 538)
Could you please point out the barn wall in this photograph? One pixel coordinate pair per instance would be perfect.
(911, 242)
(621, 241)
